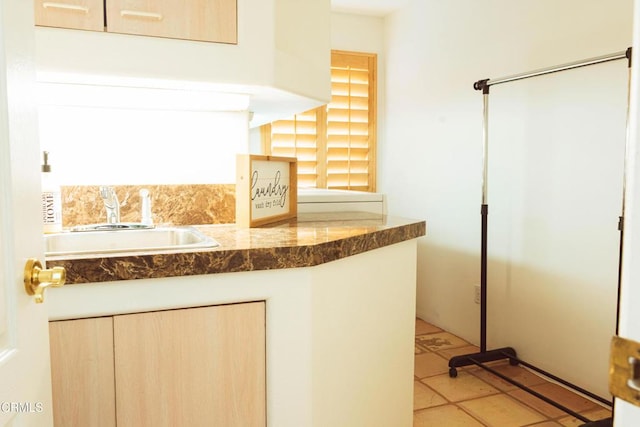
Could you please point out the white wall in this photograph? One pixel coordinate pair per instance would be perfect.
(102, 134)
(117, 146)
(556, 147)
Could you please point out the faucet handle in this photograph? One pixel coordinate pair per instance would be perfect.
(108, 193)
(105, 191)
(111, 203)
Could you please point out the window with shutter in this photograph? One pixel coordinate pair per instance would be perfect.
(335, 144)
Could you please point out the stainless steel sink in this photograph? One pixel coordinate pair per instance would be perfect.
(99, 241)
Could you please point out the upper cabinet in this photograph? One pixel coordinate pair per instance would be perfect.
(278, 52)
(203, 20)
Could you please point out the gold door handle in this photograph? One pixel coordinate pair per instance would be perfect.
(37, 279)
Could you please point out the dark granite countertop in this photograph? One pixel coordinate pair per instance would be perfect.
(308, 240)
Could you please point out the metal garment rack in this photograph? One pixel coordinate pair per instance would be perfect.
(509, 353)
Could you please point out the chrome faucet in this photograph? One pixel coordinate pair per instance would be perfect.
(111, 204)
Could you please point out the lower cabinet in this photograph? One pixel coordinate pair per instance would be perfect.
(194, 367)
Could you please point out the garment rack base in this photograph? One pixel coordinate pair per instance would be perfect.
(479, 359)
(483, 357)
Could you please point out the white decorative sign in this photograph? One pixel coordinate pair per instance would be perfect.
(266, 189)
(269, 188)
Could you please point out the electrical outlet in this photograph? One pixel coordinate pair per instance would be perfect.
(476, 295)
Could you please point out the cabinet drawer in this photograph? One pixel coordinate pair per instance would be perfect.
(76, 14)
(204, 20)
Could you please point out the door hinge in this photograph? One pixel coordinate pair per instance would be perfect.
(624, 370)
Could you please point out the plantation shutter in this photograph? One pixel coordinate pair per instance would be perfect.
(349, 132)
(334, 144)
(298, 137)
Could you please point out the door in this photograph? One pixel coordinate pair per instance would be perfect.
(82, 372)
(195, 366)
(25, 380)
(627, 414)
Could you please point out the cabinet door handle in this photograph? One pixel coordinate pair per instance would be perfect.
(139, 14)
(53, 5)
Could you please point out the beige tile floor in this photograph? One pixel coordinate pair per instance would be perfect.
(476, 398)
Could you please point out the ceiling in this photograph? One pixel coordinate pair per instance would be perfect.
(367, 7)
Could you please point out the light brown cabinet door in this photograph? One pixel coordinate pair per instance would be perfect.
(76, 14)
(191, 367)
(205, 20)
(82, 372)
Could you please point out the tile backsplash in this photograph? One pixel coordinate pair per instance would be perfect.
(170, 204)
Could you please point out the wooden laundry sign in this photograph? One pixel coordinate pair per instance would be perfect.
(266, 189)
